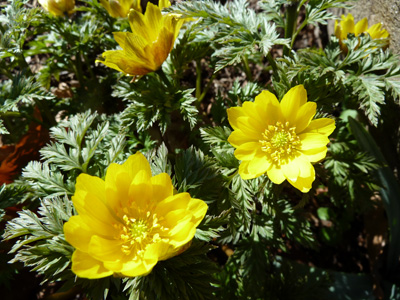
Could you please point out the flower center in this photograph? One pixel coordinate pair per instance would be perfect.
(136, 234)
(279, 142)
(139, 228)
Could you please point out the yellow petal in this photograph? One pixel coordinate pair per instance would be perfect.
(338, 30)
(138, 268)
(276, 174)
(249, 128)
(312, 140)
(140, 196)
(244, 172)
(153, 18)
(198, 208)
(233, 114)
(92, 208)
(322, 126)
(136, 164)
(161, 48)
(303, 184)
(162, 187)
(305, 115)
(105, 249)
(85, 266)
(315, 155)
(172, 203)
(132, 45)
(164, 4)
(118, 60)
(258, 165)
(165, 250)
(91, 184)
(291, 169)
(248, 150)
(117, 182)
(347, 25)
(268, 107)
(252, 110)
(238, 138)
(78, 233)
(361, 26)
(376, 31)
(292, 101)
(304, 165)
(178, 221)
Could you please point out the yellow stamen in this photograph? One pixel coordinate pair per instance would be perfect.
(280, 141)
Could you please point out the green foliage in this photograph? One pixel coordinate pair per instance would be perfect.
(238, 32)
(246, 245)
(77, 148)
(186, 276)
(41, 245)
(11, 195)
(349, 168)
(317, 11)
(147, 108)
(15, 22)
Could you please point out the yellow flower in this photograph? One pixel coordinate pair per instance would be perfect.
(147, 47)
(279, 139)
(129, 221)
(58, 7)
(120, 8)
(347, 26)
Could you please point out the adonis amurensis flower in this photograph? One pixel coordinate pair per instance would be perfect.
(148, 45)
(279, 139)
(120, 8)
(346, 26)
(129, 221)
(58, 7)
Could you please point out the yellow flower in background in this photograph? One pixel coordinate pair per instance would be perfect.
(58, 7)
(121, 8)
(129, 221)
(279, 138)
(346, 26)
(148, 45)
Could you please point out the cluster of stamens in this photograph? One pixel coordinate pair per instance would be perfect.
(137, 233)
(280, 142)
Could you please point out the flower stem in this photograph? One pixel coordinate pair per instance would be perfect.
(205, 90)
(163, 77)
(247, 68)
(273, 66)
(198, 79)
(291, 23)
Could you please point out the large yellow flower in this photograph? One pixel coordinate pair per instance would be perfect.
(58, 7)
(346, 26)
(147, 47)
(120, 8)
(279, 139)
(129, 221)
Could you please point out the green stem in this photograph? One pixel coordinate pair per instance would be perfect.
(164, 138)
(298, 31)
(273, 66)
(163, 77)
(7, 73)
(247, 68)
(198, 79)
(203, 94)
(291, 22)
(47, 116)
(24, 65)
(79, 72)
(85, 57)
